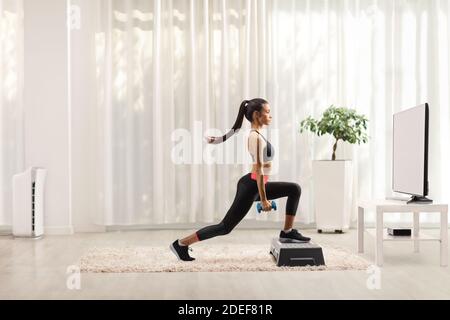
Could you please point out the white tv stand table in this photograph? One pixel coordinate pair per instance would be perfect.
(383, 206)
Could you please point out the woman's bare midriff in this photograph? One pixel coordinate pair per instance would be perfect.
(255, 170)
(255, 167)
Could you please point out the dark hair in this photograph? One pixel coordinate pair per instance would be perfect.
(247, 108)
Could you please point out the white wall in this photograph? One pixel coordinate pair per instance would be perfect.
(46, 105)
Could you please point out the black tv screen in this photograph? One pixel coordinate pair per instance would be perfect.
(410, 151)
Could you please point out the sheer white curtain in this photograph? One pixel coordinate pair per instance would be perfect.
(11, 129)
(166, 65)
(162, 66)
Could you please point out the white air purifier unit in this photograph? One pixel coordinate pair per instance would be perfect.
(28, 203)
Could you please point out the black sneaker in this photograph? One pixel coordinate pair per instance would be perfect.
(293, 236)
(182, 252)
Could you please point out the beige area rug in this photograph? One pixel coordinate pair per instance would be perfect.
(209, 258)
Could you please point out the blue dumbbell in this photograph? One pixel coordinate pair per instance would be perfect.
(259, 206)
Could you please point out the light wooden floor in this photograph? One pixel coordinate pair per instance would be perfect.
(37, 270)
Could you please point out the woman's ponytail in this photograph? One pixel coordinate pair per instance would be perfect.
(245, 110)
(236, 127)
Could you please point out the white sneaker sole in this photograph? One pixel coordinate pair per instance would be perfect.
(172, 248)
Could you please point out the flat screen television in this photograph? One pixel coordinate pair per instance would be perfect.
(410, 153)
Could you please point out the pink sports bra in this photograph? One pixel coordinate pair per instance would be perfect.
(266, 178)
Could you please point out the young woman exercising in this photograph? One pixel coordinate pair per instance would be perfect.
(253, 186)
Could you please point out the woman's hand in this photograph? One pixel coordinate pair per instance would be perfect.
(266, 205)
(210, 139)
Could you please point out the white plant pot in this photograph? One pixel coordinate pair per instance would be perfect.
(332, 194)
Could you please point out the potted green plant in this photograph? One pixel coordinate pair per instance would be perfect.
(333, 179)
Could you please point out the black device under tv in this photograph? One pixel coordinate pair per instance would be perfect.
(410, 153)
(405, 232)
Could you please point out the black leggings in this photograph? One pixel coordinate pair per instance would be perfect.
(247, 193)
